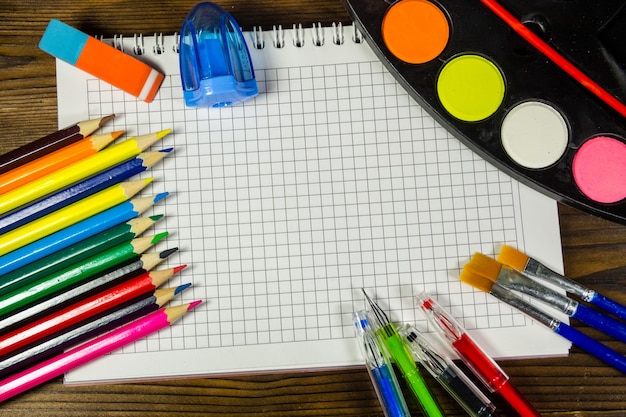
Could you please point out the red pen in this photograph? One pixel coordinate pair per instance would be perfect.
(485, 368)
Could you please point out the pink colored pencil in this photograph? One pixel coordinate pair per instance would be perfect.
(91, 350)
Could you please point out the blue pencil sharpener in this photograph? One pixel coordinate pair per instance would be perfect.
(215, 64)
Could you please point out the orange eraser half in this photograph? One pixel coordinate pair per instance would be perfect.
(101, 60)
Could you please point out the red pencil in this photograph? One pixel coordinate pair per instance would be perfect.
(83, 309)
(91, 350)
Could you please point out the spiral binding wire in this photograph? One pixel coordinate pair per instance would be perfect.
(316, 35)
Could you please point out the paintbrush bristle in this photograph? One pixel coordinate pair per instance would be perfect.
(513, 258)
(484, 266)
(474, 279)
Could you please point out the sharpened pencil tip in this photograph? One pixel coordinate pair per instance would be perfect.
(166, 253)
(179, 268)
(182, 288)
(160, 197)
(158, 237)
(166, 150)
(106, 119)
(194, 305)
(163, 133)
(117, 134)
(156, 217)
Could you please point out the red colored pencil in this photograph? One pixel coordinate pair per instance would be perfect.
(103, 323)
(91, 350)
(50, 305)
(83, 309)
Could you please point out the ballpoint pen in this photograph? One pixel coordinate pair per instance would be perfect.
(471, 354)
(379, 369)
(448, 374)
(403, 359)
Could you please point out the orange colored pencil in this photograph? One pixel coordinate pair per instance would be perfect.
(55, 160)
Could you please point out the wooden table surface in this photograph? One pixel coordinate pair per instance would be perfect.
(593, 249)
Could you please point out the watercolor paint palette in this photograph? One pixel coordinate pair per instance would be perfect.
(535, 87)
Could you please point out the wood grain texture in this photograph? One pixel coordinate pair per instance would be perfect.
(593, 249)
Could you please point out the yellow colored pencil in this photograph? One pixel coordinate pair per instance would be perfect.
(53, 161)
(78, 171)
(69, 215)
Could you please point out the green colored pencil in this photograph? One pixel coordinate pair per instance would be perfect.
(122, 233)
(77, 273)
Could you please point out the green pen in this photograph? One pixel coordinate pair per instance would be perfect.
(403, 359)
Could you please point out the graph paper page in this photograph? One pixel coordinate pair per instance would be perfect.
(331, 180)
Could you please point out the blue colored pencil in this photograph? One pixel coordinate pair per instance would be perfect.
(77, 232)
(81, 190)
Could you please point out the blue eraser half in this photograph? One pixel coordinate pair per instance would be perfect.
(63, 41)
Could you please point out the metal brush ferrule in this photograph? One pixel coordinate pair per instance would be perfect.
(505, 295)
(513, 280)
(537, 269)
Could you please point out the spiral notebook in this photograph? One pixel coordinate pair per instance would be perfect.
(331, 180)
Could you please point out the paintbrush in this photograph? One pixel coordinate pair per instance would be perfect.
(578, 338)
(533, 268)
(514, 280)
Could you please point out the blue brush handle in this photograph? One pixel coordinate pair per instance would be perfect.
(609, 305)
(600, 321)
(592, 346)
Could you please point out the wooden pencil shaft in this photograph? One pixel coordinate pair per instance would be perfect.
(58, 344)
(75, 172)
(75, 313)
(71, 336)
(77, 232)
(69, 215)
(50, 143)
(73, 275)
(90, 287)
(93, 349)
(75, 192)
(53, 161)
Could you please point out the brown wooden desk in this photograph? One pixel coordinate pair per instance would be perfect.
(594, 249)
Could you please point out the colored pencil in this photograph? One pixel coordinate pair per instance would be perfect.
(89, 227)
(142, 266)
(80, 190)
(55, 345)
(81, 310)
(114, 236)
(70, 215)
(78, 171)
(77, 273)
(50, 143)
(56, 160)
(93, 349)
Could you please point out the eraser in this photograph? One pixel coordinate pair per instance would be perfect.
(101, 60)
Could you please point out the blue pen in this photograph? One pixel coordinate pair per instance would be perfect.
(81, 190)
(379, 368)
(77, 232)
